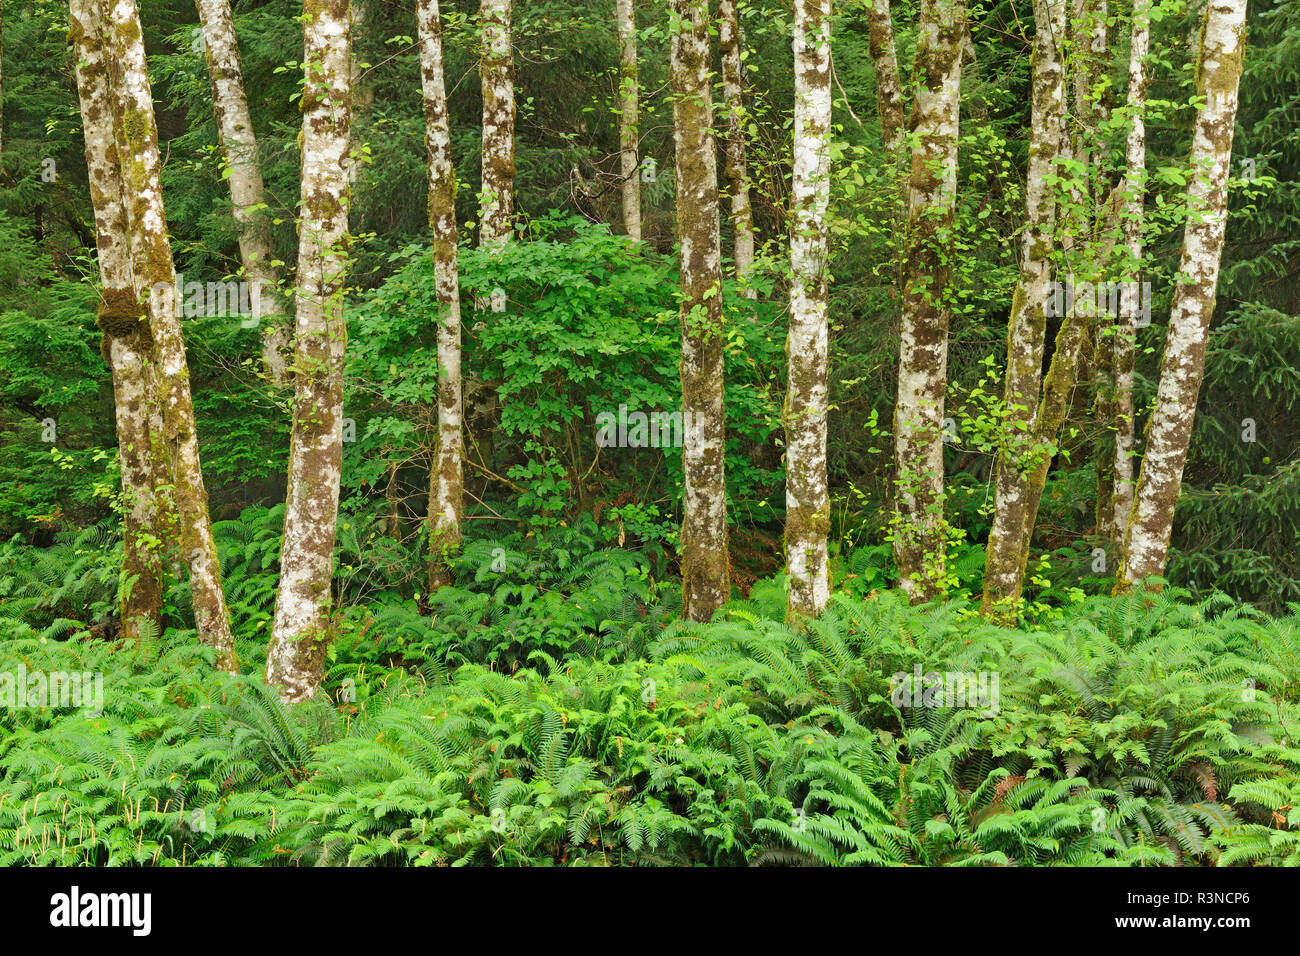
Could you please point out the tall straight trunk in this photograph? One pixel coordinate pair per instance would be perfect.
(920, 539)
(300, 634)
(807, 500)
(889, 89)
(446, 480)
(742, 215)
(127, 344)
(629, 118)
(1091, 240)
(1125, 342)
(705, 572)
(497, 72)
(136, 134)
(1028, 320)
(244, 179)
(1182, 367)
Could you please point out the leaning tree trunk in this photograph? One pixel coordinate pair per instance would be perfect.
(496, 70)
(919, 532)
(445, 485)
(299, 639)
(136, 134)
(742, 215)
(1028, 321)
(628, 118)
(807, 501)
(1094, 227)
(127, 345)
(1169, 431)
(889, 90)
(244, 179)
(1120, 494)
(705, 581)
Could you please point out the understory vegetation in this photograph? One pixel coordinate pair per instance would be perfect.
(554, 710)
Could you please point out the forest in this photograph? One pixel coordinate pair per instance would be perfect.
(650, 433)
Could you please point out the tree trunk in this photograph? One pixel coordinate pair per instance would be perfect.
(1028, 321)
(629, 118)
(807, 500)
(920, 532)
(496, 70)
(127, 344)
(1169, 431)
(299, 640)
(137, 144)
(889, 90)
(742, 215)
(705, 585)
(247, 193)
(446, 480)
(1125, 341)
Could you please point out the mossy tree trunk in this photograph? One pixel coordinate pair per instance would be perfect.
(244, 179)
(497, 74)
(733, 95)
(629, 118)
(301, 631)
(705, 571)
(919, 531)
(1027, 323)
(1117, 499)
(807, 499)
(889, 89)
(1182, 367)
(136, 135)
(127, 344)
(446, 494)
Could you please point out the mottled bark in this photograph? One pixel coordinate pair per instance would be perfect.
(445, 481)
(136, 134)
(807, 501)
(919, 532)
(889, 89)
(705, 573)
(1028, 320)
(127, 343)
(742, 215)
(497, 73)
(301, 632)
(244, 179)
(1182, 367)
(629, 118)
(1124, 346)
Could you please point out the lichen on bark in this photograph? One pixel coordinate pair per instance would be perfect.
(705, 571)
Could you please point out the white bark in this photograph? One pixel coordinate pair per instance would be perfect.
(1182, 366)
(136, 133)
(807, 499)
(496, 70)
(629, 118)
(742, 215)
(920, 539)
(126, 339)
(1126, 327)
(446, 479)
(705, 572)
(244, 179)
(295, 658)
(1028, 321)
